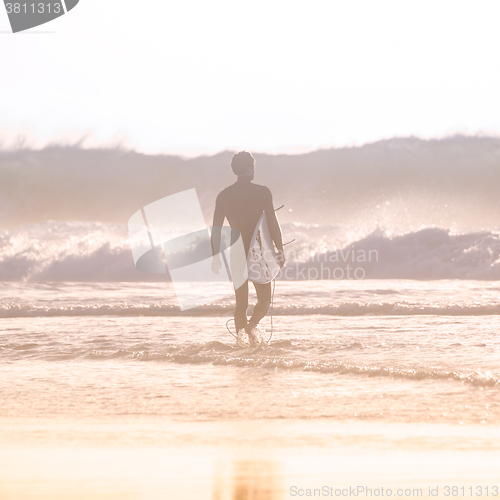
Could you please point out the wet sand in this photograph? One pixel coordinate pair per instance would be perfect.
(244, 460)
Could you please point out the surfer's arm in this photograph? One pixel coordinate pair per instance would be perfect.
(274, 227)
(273, 224)
(275, 231)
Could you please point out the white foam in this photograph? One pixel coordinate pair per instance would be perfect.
(98, 252)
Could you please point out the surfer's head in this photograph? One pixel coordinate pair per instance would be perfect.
(243, 164)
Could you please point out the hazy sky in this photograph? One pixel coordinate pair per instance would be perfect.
(197, 76)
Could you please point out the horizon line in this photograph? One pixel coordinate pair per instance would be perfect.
(87, 143)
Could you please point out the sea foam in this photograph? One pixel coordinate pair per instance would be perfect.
(97, 252)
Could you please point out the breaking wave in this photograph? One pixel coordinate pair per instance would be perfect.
(97, 252)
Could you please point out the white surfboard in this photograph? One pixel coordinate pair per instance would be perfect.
(262, 261)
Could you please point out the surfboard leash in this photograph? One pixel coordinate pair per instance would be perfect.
(270, 337)
(227, 322)
(272, 308)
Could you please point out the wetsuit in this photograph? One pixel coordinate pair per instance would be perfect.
(242, 204)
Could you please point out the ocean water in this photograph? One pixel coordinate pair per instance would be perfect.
(386, 351)
(108, 390)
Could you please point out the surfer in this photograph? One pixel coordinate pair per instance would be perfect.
(242, 204)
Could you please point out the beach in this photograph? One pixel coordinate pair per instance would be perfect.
(248, 459)
(109, 391)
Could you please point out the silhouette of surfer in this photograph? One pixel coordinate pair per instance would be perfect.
(242, 204)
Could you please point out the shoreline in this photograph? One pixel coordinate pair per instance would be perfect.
(149, 458)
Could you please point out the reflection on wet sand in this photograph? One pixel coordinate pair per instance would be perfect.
(248, 480)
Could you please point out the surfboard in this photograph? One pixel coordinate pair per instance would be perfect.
(262, 261)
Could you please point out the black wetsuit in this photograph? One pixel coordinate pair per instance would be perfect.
(242, 204)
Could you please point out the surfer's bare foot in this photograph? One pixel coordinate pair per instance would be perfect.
(242, 338)
(254, 334)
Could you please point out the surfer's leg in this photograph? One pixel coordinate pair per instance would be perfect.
(263, 303)
(240, 312)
